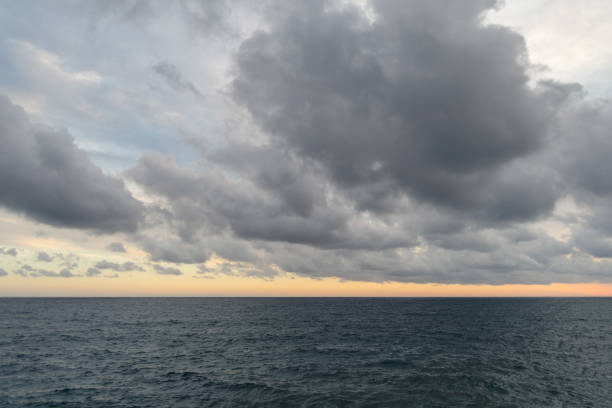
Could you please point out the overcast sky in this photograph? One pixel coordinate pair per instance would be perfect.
(410, 141)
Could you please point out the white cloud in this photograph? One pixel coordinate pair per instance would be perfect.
(570, 37)
(45, 66)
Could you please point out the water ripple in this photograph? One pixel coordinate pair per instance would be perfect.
(305, 352)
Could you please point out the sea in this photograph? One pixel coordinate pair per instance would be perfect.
(305, 352)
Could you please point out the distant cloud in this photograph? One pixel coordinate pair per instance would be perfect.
(167, 270)
(92, 272)
(44, 257)
(3, 272)
(27, 270)
(116, 247)
(23, 270)
(64, 273)
(8, 251)
(117, 267)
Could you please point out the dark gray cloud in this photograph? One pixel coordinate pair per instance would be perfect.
(213, 203)
(437, 110)
(430, 244)
(47, 177)
(3, 272)
(44, 257)
(543, 260)
(161, 270)
(173, 77)
(587, 146)
(408, 148)
(116, 247)
(592, 241)
(175, 250)
(8, 251)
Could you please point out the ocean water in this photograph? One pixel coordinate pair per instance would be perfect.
(335, 352)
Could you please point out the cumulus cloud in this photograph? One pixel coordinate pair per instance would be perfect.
(410, 146)
(23, 270)
(47, 177)
(117, 267)
(438, 110)
(93, 272)
(3, 272)
(212, 202)
(104, 265)
(161, 270)
(8, 251)
(27, 270)
(44, 257)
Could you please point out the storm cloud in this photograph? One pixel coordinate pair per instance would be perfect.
(46, 176)
(425, 101)
(407, 145)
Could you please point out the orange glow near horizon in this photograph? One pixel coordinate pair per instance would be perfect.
(157, 285)
(22, 234)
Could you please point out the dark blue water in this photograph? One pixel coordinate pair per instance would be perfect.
(305, 352)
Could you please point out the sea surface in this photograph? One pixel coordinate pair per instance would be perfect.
(321, 352)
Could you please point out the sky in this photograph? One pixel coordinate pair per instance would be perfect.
(305, 148)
